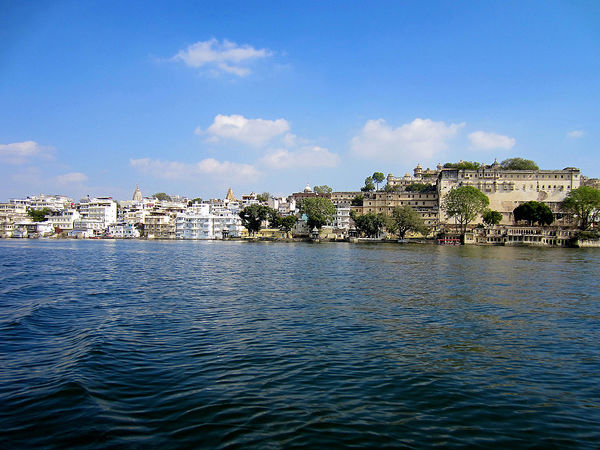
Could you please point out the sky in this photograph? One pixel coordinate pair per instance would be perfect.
(191, 98)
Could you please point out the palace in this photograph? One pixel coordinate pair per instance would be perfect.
(506, 190)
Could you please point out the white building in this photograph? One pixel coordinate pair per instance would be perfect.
(32, 229)
(100, 209)
(123, 231)
(202, 222)
(87, 228)
(12, 209)
(53, 202)
(250, 199)
(65, 221)
(342, 217)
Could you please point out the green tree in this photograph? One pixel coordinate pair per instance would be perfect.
(491, 217)
(407, 219)
(264, 197)
(319, 211)
(463, 165)
(584, 204)
(252, 217)
(194, 200)
(323, 189)
(519, 164)
(464, 203)
(370, 224)
(285, 223)
(420, 187)
(358, 200)
(392, 188)
(38, 215)
(162, 197)
(378, 177)
(534, 212)
(369, 186)
(140, 227)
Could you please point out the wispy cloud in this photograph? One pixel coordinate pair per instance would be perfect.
(482, 140)
(310, 156)
(209, 167)
(575, 134)
(419, 139)
(31, 176)
(221, 57)
(22, 152)
(72, 178)
(255, 132)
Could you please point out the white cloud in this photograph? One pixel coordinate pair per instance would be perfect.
(575, 134)
(291, 140)
(72, 178)
(221, 57)
(209, 167)
(482, 140)
(420, 139)
(21, 152)
(313, 156)
(236, 127)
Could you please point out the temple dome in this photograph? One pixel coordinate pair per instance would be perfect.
(137, 194)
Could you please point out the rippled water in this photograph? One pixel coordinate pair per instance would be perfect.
(167, 345)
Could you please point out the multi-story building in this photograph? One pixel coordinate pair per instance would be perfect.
(507, 189)
(201, 222)
(342, 216)
(87, 228)
(307, 193)
(10, 213)
(123, 231)
(132, 214)
(425, 203)
(344, 197)
(13, 209)
(100, 209)
(64, 221)
(52, 202)
(160, 225)
(250, 199)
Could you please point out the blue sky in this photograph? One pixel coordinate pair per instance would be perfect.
(191, 98)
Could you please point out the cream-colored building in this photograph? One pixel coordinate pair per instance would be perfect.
(425, 203)
(514, 235)
(160, 226)
(507, 189)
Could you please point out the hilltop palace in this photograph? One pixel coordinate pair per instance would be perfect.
(506, 190)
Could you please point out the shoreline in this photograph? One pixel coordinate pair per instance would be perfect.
(369, 241)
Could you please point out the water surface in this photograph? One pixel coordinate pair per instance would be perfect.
(135, 344)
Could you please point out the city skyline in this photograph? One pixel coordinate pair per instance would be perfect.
(191, 99)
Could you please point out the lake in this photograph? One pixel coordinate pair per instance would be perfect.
(219, 345)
